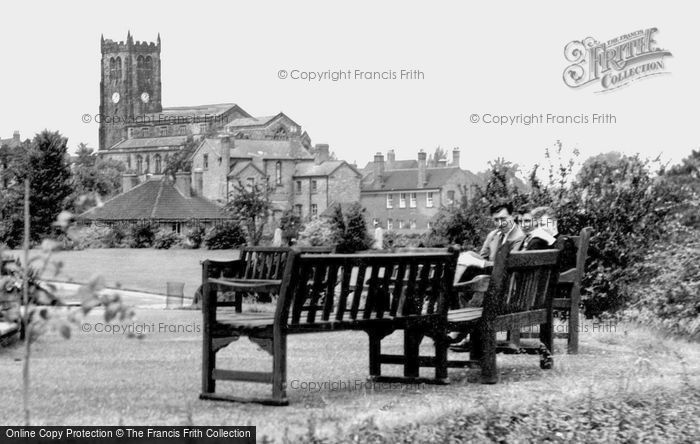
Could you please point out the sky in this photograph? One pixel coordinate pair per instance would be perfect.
(491, 58)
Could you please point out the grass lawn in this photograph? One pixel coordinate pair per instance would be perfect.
(142, 269)
(107, 379)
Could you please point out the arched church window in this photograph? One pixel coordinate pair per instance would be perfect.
(118, 68)
(157, 162)
(148, 164)
(280, 134)
(139, 164)
(278, 173)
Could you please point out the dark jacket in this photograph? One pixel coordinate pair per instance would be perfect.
(563, 243)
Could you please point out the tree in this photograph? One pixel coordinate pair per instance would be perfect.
(252, 207)
(435, 158)
(94, 179)
(355, 236)
(180, 161)
(44, 162)
(290, 223)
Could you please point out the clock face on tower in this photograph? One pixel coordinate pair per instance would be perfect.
(145, 97)
(116, 97)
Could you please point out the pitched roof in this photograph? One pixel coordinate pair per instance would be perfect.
(408, 179)
(265, 149)
(395, 165)
(154, 199)
(150, 142)
(239, 167)
(11, 142)
(326, 168)
(194, 111)
(250, 121)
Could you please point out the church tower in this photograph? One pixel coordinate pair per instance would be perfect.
(129, 85)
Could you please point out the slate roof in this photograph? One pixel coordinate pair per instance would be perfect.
(150, 142)
(193, 111)
(408, 179)
(156, 199)
(250, 121)
(325, 169)
(265, 149)
(395, 165)
(240, 166)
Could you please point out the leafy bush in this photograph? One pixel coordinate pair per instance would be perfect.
(355, 236)
(226, 236)
(195, 236)
(290, 224)
(92, 236)
(142, 235)
(165, 239)
(317, 232)
(666, 290)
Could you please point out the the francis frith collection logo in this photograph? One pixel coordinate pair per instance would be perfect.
(615, 63)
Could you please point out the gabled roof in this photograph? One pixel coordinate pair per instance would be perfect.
(408, 179)
(291, 149)
(216, 109)
(239, 167)
(327, 168)
(255, 121)
(150, 142)
(395, 165)
(156, 199)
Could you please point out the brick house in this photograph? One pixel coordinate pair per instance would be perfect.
(405, 199)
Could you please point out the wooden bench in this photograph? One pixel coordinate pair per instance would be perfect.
(257, 270)
(520, 293)
(374, 293)
(568, 297)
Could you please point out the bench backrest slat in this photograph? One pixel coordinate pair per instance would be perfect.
(521, 281)
(269, 262)
(379, 285)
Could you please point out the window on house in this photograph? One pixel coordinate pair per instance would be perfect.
(429, 199)
(389, 224)
(314, 186)
(414, 197)
(401, 224)
(250, 183)
(402, 200)
(430, 225)
(205, 161)
(181, 130)
(148, 164)
(375, 222)
(278, 173)
(202, 128)
(412, 223)
(314, 210)
(145, 132)
(450, 197)
(163, 131)
(298, 190)
(390, 201)
(297, 210)
(139, 164)
(128, 162)
(158, 163)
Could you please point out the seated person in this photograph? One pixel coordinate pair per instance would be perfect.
(471, 264)
(546, 235)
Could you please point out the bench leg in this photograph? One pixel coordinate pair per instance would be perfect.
(572, 339)
(411, 347)
(441, 346)
(208, 353)
(375, 351)
(489, 370)
(279, 367)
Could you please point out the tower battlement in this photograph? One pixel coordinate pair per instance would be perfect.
(112, 46)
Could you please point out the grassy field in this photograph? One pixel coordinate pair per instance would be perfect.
(106, 379)
(138, 269)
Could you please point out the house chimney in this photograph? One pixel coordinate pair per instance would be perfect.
(455, 156)
(198, 182)
(322, 153)
(129, 181)
(182, 183)
(421, 168)
(390, 159)
(442, 163)
(15, 136)
(378, 170)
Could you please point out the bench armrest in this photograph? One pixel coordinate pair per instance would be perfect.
(476, 285)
